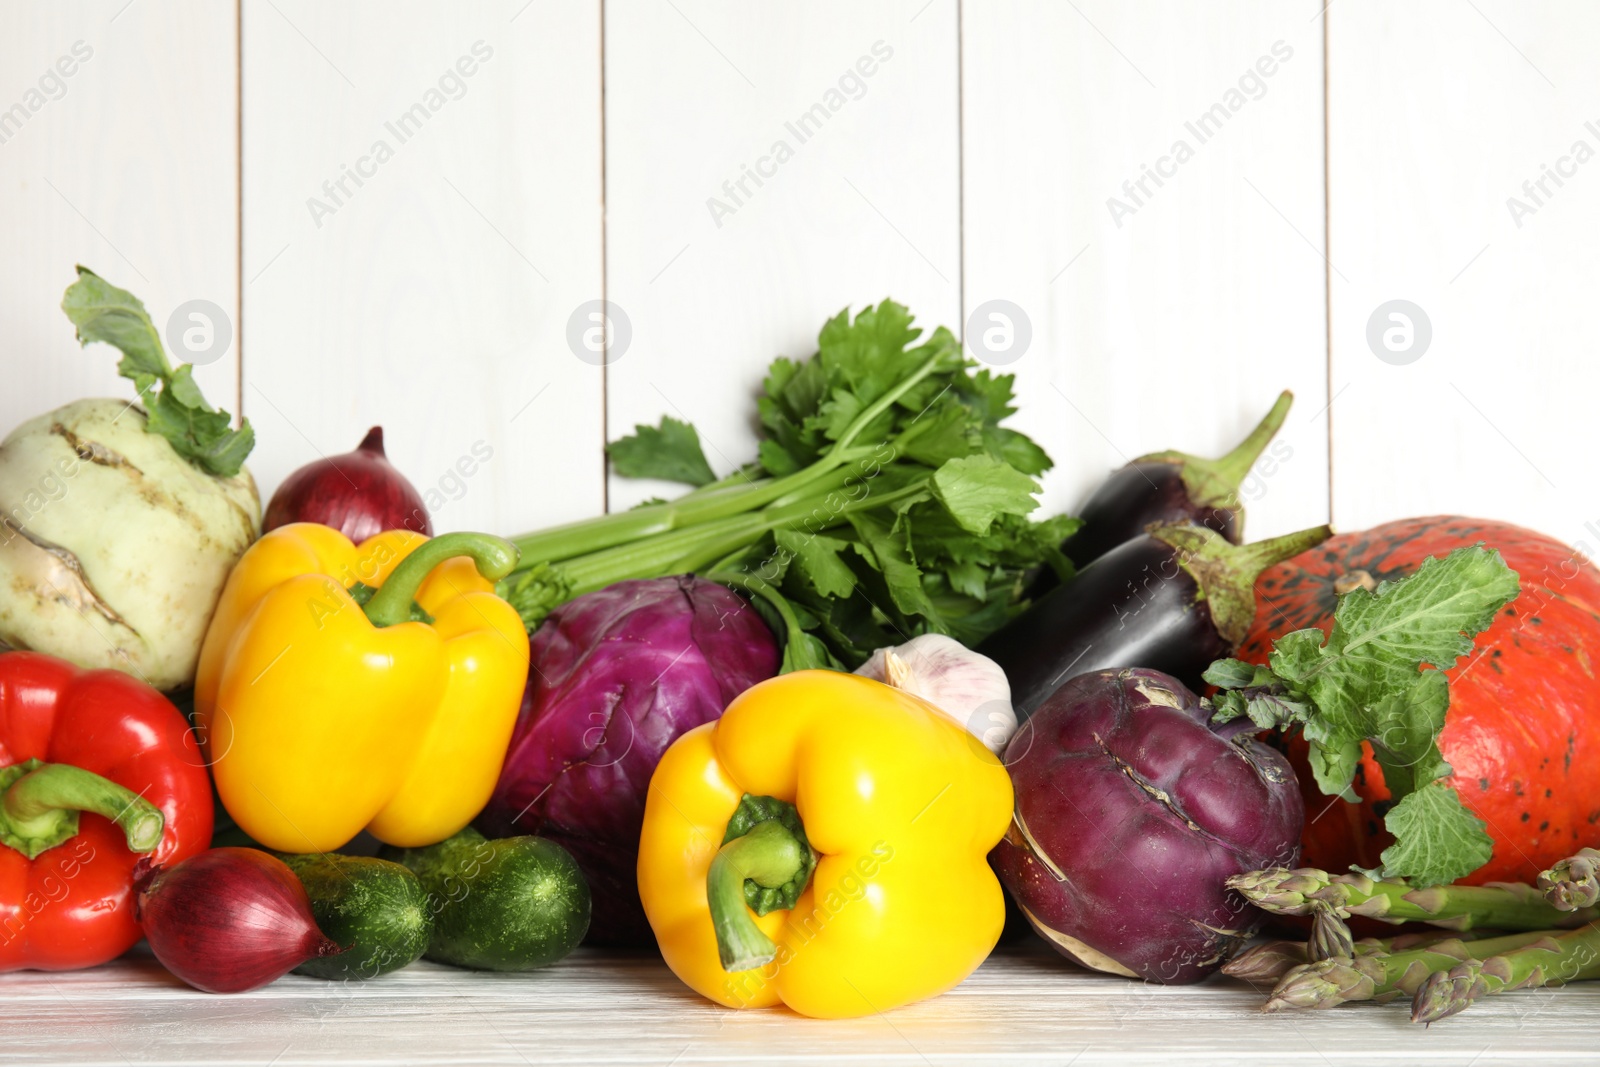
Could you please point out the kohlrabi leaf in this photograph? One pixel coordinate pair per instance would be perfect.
(176, 410)
(1364, 678)
(1234, 674)
(1378, 679)
(102, 312)
(1404, 733)
(1437, 840)
(1381, 637)
(670, 452)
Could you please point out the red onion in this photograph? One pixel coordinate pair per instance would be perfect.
(230, 919)
(359, 494)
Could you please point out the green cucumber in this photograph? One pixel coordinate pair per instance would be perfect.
(375, 907)
(507, 905)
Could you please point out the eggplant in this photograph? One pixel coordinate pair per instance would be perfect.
(1164, 488)
(1171, 600)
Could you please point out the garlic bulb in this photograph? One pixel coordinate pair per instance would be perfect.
(968, 687)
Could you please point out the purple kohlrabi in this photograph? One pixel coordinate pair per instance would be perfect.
(615, 677)
(1131, 812)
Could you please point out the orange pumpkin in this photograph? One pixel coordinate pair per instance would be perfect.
(1523, 730)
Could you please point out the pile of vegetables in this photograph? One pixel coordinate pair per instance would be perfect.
(804, 728)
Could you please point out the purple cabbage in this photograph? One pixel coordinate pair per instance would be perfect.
(1131, 812)
(615, 677)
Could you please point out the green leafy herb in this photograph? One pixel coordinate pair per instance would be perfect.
(885, 501)
(978, 490)
(1378, 678)
(670, 452)
(173, 405)
(819, 561)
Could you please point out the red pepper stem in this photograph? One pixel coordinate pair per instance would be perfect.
(40, 808)
(495, 557)
(770, 855)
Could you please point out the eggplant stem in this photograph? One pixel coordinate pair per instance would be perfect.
(1214, 483)
(1254, 558)
(1233, 467)
(1226, 573)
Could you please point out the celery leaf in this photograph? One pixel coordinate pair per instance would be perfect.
(670, 452)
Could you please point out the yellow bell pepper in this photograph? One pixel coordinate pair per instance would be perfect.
(322, 716)
(894, 802)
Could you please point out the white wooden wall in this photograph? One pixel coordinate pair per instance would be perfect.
(973, 163)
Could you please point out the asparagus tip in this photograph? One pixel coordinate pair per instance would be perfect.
(1574, 882)
(1445, 993)
(1330, 937)
(1266, 962)
(1280, 890)
(1322, 984)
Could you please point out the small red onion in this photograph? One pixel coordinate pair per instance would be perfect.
(230, 919)
(359, 494)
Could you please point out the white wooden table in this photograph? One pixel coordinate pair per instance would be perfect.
(1024, 1005)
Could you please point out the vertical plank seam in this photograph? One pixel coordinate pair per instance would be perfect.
(605, 286)
(961, 176)
(1327, 249)
(238, 204)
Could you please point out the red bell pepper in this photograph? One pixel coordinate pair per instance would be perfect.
(97, 771)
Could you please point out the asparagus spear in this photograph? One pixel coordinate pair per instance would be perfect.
(1269, 961)
(1573, 883)
(1307, 891)
(1549, 960)
(1330, 937)
(1381, 976)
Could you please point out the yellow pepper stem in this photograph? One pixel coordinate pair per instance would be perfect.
(494, 557)
(770, 855)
